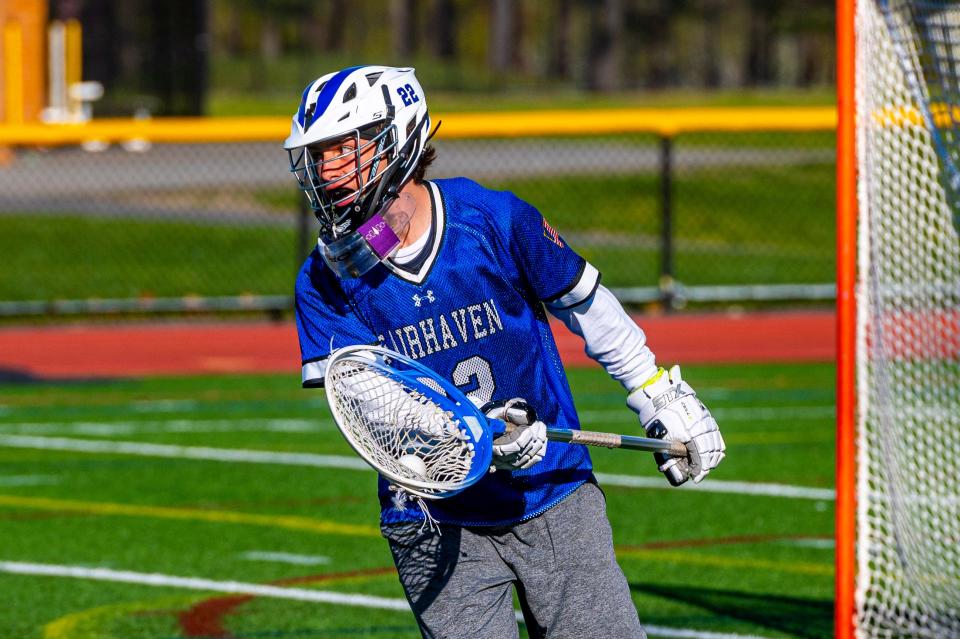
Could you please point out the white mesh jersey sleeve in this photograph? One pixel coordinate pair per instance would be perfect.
(610, 337)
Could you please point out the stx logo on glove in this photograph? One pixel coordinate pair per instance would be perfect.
(670, 395)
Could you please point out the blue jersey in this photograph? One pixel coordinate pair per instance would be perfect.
(472, 309)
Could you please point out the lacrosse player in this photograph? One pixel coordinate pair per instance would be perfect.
(462, 277)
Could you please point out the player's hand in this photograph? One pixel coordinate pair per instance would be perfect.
(669, 409)
(525, 442)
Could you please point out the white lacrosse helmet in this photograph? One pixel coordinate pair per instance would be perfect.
(360, 108)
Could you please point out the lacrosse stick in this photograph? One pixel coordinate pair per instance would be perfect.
(420, 431)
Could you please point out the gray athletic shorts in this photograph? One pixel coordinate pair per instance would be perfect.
(460, 583)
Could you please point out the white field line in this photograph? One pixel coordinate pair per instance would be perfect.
(752, 414)
(774, 413)
(181, 405)
(285, 558)
(353, 463)
(822, 544)
(719, 486)
(277, 592)
(108, 429)
(164, 405)
(683, 633)
(183, 452)
(111, 429)
(7, 481)
(194, 583)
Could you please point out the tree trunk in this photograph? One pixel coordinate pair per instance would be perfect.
(338, 15)
(270, 45)
(443, 29)
(176, 62)
(502, 44)
(605, 48)
(101, 43)
(760, 43)
(403, 28)
(558, 60)
(712, 29)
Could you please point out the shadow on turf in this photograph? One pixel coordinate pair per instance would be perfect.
(801, 617)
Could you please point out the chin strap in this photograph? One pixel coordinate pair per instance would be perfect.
(435, 129)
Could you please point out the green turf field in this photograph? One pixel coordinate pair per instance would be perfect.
(722, 562)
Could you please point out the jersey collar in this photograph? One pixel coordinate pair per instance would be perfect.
(431, 248)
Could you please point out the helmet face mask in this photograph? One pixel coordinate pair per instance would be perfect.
(354, 143)
(339, 201)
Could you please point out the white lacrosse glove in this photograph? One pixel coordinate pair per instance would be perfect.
(669, 409)
(525, 442)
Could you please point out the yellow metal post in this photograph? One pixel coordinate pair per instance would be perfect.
(13, 72)
(22, 59)
(73, 50)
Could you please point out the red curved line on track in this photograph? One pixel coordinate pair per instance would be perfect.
(83, 352)
(206, 618)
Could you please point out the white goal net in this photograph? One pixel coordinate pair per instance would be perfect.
(908, 324)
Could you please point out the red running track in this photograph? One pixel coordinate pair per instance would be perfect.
(190, 348)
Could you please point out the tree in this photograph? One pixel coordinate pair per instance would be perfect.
(403, 19)
(761, 36)
(176, 63)
(502, 52)
(443, 29)
(605, 46)
(558, 48)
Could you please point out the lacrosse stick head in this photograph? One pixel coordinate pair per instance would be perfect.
(413, 427)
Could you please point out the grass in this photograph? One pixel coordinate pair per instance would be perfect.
(231, 103)
(77, 256)
(172, 516)
(762, 224)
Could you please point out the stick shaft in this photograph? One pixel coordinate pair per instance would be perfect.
(613, 440)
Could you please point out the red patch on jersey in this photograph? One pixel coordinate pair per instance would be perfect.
(551, 234)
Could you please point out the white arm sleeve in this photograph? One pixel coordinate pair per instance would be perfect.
(610, 337)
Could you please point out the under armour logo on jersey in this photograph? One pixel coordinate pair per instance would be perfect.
(419, 299)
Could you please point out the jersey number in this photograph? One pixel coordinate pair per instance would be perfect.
(408, 95)
(475, 373)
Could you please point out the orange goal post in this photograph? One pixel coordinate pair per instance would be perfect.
(898, 319)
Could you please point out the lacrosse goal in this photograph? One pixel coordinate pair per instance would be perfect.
(898, 485)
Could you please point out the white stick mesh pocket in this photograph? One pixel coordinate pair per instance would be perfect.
(390, 419)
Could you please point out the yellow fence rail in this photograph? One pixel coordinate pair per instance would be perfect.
(661, 122)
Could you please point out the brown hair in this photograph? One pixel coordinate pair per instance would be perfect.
(429, 155)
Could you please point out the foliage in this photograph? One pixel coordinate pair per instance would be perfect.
(665, 43)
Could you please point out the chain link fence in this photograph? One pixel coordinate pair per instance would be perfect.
(690, 217)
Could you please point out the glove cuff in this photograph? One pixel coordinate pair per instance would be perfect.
(658, 392)
(640, 395)
(639, 399)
